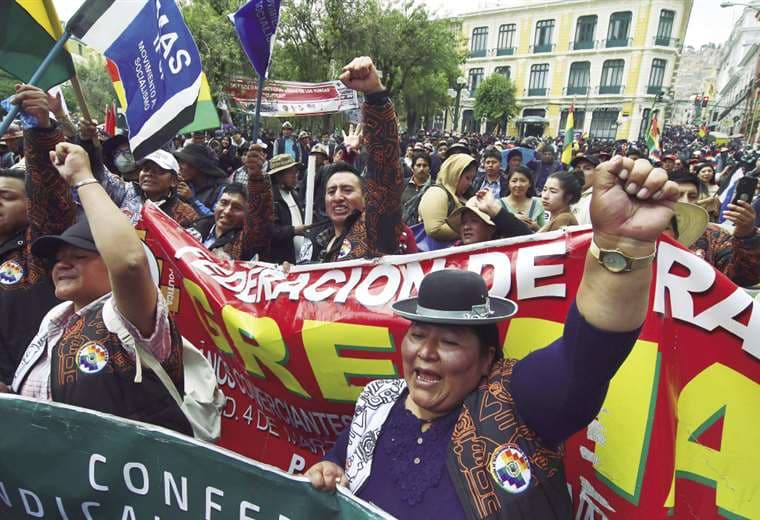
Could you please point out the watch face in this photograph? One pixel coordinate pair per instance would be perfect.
(614, 262)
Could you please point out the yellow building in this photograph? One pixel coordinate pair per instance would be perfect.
(610, 58)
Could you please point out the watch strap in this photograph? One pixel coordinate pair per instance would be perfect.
(633, 263)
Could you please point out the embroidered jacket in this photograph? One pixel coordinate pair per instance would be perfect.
(737, 258)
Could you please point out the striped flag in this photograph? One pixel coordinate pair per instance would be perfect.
(28, 30)
(567, 149)
(653, 139)
(157, 61)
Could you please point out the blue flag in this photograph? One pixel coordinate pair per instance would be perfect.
(256, 22)
(158, 63)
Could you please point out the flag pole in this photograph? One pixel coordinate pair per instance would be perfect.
(52, 55)
(257, 114)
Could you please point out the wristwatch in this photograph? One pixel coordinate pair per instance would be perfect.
(615, 261)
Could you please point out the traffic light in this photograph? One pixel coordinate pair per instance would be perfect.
(705, 100)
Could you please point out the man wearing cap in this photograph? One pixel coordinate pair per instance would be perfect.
(736, 255)
(288, 224)
(286, 143)
(81, 355)
(202, 181)
(240, 226)
(669, 163)
(304, 147)
(11, 146)
(43, 205)
(585, 164)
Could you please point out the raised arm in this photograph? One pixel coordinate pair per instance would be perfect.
(256, 235)
(382, 215)
(133, 289)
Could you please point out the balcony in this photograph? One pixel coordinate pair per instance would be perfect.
(666, 42)
(582, 45)
(536, 91)
(543, 47)
(576, 91)
(610, 89)
(617, 42)
(654, 89)
(478, 53)
(506, 51)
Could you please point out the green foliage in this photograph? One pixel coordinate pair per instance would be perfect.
(495, 99)
(96, 86)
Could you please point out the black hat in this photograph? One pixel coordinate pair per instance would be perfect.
(455, 297)
(201, 157)
(77, 235)
(588, 158)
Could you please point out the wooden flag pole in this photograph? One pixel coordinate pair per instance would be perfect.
(52, 55)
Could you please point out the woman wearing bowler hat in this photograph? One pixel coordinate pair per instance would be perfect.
(469, 434)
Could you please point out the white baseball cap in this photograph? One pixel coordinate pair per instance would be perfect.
(163, 159)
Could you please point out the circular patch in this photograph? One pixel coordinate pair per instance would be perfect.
(92, 358)
(345, 248)
(510, 468)
(11, 272)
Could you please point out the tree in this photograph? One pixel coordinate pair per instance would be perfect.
(96, 86)
(495, 99)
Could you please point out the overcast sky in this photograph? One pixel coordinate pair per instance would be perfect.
(708, 23)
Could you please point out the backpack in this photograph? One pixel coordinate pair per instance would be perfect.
(410, 212)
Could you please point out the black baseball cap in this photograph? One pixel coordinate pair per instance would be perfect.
(78, 235)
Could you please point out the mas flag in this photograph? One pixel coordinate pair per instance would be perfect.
(28, 31)
(205, 111)
(256, 22)
(567, 149)
(157, 61)
(653, 139)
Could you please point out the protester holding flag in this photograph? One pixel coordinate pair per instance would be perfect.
(364, 213)
(415, 445)
(42, 206)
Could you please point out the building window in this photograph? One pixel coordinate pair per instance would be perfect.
(603, 124)
(644, 126)
(665, 28)
(612, 77)
(476, 76)
(478, 42)
(578, 117)
(543, 39)
(584, 33)
(617, 34)
(505, 71)
(579, 79)
(505, 46)
(537, 81)
(656, 76)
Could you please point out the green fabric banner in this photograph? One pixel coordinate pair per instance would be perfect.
(62, 462)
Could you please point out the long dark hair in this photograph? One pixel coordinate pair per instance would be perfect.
(529, 174)
(569, 184)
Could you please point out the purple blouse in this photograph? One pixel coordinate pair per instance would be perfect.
(557, 390)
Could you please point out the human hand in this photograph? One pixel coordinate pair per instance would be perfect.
(56, 104)
(326, 476)
(184, 192)
(254, 159)
(361, 75)
(72, 162)
(743, 216)
(486, 203)
(532, 224)
(631, 200)
(354, 138)
(33, 101)
(88, 130)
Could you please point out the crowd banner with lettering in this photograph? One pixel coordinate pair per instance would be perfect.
(157, 60)
(63, 462)
(677, 435)
(290, 98)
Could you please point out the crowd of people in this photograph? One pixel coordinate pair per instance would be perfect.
(74, 278)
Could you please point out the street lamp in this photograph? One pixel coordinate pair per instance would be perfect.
(461, 82)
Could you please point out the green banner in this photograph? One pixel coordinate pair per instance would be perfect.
(62, 462)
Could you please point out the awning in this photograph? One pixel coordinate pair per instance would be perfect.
(536, 120)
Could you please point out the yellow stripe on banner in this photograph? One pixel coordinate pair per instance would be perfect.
(36, 8)
(121, 94)
(205, 92)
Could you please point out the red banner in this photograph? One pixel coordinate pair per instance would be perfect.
(676, 436)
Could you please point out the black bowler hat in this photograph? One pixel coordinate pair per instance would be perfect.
(201, 157)
(453, 297)
(77, 235)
